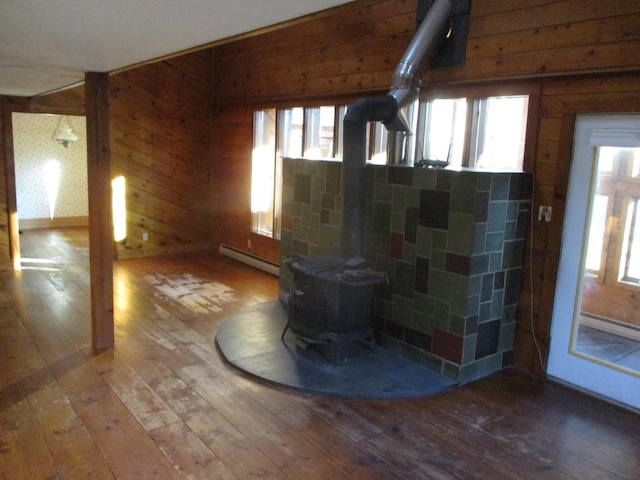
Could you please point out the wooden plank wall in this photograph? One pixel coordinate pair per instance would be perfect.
(65, 102)
(231, 159)
(527, 38)
(160, 142)
(582, 55)
(355, 49)
(562, 99)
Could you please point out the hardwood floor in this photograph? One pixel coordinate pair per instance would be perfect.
(164, 404)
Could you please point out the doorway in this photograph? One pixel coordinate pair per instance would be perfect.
(595, 331)
(50, 159)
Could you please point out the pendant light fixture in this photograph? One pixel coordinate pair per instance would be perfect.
(63, 133)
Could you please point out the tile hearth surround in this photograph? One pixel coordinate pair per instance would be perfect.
(450, 241)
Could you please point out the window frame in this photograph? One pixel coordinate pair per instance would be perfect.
(424, 121)
(308, 111)
(499, 89)
(341, 103)
(260, 137)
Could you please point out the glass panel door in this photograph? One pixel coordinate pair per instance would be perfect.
(595, 333)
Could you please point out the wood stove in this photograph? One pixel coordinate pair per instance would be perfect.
(331, 300)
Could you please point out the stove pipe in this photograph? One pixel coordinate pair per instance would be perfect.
(405, 88)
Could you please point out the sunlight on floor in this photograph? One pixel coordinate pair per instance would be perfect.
(194, 294)
(41, 264)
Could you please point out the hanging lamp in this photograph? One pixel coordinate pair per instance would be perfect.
(63, 133)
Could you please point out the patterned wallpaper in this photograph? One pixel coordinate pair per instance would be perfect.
(51, 181)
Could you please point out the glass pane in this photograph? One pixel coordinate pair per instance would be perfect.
(596, 232)
(290, 132)
(634, 162)
(606, 156)
(633, 250)
(499, 133)
(441, 130)
(342, 110)
(290, 128)
(378, 143)
(604, 324)
(405, 144)
(319, 132)
(263, 171)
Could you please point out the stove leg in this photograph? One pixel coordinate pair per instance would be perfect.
(286, 327)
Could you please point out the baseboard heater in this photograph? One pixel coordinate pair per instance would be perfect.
(249, 259)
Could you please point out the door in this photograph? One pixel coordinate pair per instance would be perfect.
(599, 272)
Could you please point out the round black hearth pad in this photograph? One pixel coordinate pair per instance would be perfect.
(251, 341)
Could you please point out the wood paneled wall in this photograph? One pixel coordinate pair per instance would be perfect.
(355, 49)
(575, 52)
(525, 38)
(160, 125)
(160, 121)
(562, 99)
(231, 158)
(65, 102)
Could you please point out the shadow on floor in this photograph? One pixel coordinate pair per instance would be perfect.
(250, 340)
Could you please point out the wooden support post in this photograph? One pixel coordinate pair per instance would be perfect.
(100, 216)
(12, 206)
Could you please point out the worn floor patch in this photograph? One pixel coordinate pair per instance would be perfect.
(194, 294)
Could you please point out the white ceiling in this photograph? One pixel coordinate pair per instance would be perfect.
(49, 44)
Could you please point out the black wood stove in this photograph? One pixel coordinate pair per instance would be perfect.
(331, 300)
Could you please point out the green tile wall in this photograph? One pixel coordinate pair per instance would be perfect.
(451, 243)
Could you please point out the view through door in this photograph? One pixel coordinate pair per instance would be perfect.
(595, 335)
(50, 175)
(609, 322)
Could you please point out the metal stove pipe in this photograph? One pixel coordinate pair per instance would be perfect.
(407, 79)
(405, 88)
(354, 151)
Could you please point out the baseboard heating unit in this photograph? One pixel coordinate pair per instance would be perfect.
(248, 259)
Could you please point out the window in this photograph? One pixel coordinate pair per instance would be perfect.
(441, 131)
(319, 132)
(613, 253)
(491, 138)
(290, 123)
(263, 173)
(481, 132)
(631, 251)
(498, 133)
(377, 141)
(597, 232)
(310, 132)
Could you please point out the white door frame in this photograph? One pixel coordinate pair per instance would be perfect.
(564, 363)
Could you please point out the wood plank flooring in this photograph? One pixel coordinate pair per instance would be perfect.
(164, 404)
